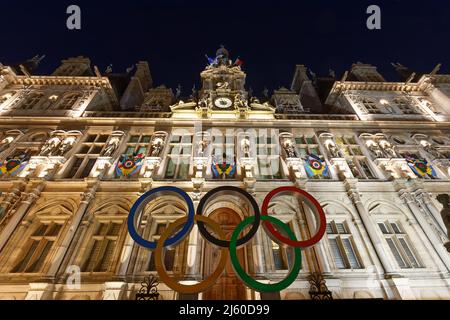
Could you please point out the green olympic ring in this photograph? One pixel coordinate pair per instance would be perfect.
(249, 281)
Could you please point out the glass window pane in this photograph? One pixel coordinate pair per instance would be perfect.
(341, 228)
(338, 259)
(310, 140)
(409, 253)
(87, 168)
(383, 228)
(146, 139)
(184, 170)
(134, 139)
(396, 253)
(396, 228)
(129, 150)
(142, 150)
(107, 256)
(329, 229)
(37, 265)
(354, 263)
(170, 171)
(175, 138)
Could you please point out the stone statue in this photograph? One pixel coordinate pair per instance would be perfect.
(445, 214)
(290, 149)
(245, 147)
(388, 149)
(157, 146)
(353, 168)
(178, 92)
(4, 144)
(111, 146)
(65, 146)
(334, 150)
(202, 145)
(433, 151)
(50, 146)
(376, 151)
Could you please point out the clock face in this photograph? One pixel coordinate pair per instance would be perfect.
(223, 103)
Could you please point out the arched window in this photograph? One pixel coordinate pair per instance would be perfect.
(68, 101)
(32, 100)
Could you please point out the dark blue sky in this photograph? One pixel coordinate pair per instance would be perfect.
(270, 36)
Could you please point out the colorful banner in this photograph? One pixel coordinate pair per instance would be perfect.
(13, 165)
(421, 168)
(129, 164)
(219, 169)
(314, 166)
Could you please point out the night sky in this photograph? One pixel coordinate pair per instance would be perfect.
(270, 36)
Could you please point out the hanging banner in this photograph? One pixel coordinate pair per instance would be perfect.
(421, 168)
(219, 169)
(13, 165)
(314, 166)
(129, 164)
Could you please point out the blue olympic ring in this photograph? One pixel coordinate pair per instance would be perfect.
(139, 205)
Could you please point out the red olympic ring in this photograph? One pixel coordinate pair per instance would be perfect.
(321, 215)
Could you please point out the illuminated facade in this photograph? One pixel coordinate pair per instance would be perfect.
(78, 148)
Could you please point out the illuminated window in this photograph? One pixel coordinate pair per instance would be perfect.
(399, 245)
(102, 249)
(179, 157)
(37, 248)
(86, 156)
(342, 247)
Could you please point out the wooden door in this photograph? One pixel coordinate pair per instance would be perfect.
(228, 286)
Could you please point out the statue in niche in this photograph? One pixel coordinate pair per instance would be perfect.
(444, 199)
(111, 147)
(245, 147)
(334, 150)
(202, 145)
(4, 144)
(388, 149)
(432, 150)
(290, 149)
(157, 146)
(375, 149)
(65, 146)
(353, 169)
(50, 147)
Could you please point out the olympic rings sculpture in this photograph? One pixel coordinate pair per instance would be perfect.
(178, 230)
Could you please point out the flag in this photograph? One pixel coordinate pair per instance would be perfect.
(314, 166)
(210, 60)
(13, 165)
(129, 164)
(421, 167)
(238, 62)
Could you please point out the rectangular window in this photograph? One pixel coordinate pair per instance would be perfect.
(38, 248)
(398, 244)
(102, 250)
(342, 247)
(179, 157)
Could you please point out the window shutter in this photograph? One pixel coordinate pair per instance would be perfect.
(354, 263)
(338, 259)
(396, 253)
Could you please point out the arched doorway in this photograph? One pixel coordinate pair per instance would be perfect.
(228, 286)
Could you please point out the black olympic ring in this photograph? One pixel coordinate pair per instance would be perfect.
(226, 243)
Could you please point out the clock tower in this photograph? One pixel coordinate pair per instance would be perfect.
(223, 94)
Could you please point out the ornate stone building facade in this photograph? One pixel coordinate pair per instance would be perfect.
(78, 147)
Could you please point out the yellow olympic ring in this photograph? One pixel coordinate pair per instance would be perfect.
(206, 283)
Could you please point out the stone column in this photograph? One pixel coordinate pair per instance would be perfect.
(17, 217)
(353, 194)
(426, 233)
(62, 249)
